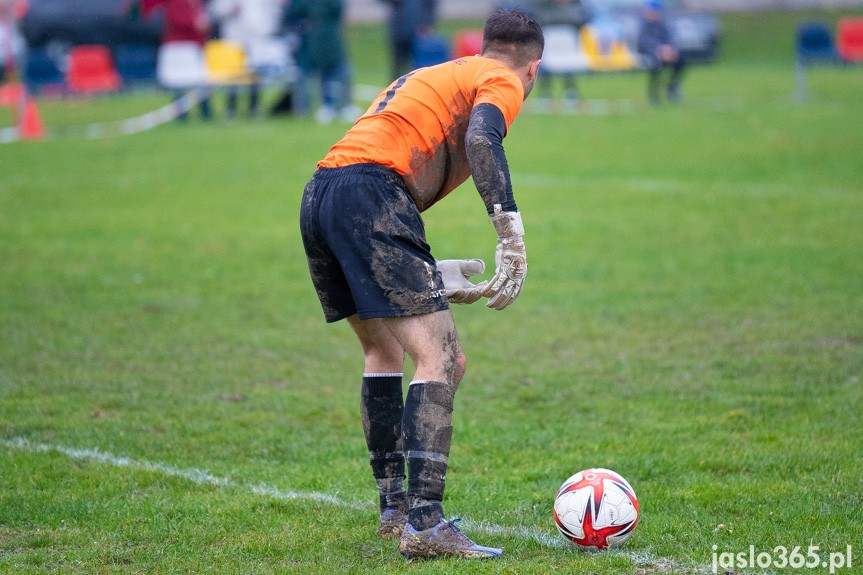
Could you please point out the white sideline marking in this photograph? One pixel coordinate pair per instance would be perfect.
(194, 475)
(202, 477)
(527, 533)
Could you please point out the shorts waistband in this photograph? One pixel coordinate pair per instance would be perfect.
(368, 169)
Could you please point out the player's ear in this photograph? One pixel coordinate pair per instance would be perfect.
(533, 69)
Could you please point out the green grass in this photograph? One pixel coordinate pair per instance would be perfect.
(692, 319)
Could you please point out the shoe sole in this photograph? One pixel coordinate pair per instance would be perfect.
(467, 554)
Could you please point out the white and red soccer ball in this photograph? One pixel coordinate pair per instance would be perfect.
(596, 509)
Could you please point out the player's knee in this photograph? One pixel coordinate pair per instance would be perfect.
(460, 367)
(461, 361)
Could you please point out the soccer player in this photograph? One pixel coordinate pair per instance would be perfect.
(370, 263)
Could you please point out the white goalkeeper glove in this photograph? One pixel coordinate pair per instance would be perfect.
(456, 274)
(510, 259)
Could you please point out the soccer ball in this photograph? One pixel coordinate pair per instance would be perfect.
(596, 509)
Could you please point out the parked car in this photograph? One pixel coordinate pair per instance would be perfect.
(697, 32)
(57, 25)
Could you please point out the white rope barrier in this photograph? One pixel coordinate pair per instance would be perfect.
(125, 127)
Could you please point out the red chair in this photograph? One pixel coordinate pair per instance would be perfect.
(849, 39)
(91, 70)
(466, 43)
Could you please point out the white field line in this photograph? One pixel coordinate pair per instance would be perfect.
(194, 475)
(201, 477)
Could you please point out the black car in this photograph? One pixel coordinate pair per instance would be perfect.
(56, 25)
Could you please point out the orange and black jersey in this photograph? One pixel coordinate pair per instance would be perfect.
(417, 126)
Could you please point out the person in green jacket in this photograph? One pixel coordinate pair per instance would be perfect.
(318, 23)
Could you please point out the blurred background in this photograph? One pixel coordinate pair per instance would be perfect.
(692, 320)
(329, 58)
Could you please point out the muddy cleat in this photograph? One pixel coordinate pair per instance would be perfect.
(392, 523)
(442, 540)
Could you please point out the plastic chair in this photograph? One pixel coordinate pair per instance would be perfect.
(849, 39)
(814, 43)
(563, 52)
(430, 49)
(136, 62)
(466, 43)
(91, 70)
(180, 65)
(606, 53)
(271, 59)
(226, 63)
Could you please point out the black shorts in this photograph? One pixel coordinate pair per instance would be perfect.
(366, 246)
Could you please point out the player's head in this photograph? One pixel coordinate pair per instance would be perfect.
(515, 38)
(513, 34)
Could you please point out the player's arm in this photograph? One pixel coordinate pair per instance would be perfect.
(488, 165)
(490, 172)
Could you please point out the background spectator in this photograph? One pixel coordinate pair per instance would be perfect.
(566, 13)
(658, 50)
(244, 22)
(318, 24)
(408, 19)
(12, 47)
(185, 21)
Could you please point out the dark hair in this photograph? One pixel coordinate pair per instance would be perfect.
(515, 34)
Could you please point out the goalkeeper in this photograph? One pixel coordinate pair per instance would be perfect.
(370, 263)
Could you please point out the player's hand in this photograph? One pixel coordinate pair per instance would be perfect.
(511, 267)
(510, 260)
(456, 280)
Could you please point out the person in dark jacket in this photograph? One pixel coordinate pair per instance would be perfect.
(408, 19)
(322, 52)
(659, 52)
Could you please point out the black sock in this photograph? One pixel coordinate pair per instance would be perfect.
(427, 434)
(382, 407)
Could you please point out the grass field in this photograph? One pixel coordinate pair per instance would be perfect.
(171, 400)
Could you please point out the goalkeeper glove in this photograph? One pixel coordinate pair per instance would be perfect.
(456, 274)
(510, 259)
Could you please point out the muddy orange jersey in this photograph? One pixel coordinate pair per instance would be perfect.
(417, 126)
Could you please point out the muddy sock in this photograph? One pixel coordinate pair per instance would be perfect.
(424, 513)
(426, 436)
(382, 407)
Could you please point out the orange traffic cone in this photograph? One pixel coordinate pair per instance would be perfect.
(11, 94)
(31, 127)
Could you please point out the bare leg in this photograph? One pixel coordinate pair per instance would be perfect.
(431, 342)
(382, 408)
(382, 351)
(426, 426)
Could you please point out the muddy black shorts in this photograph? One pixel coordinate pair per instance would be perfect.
(366, 246)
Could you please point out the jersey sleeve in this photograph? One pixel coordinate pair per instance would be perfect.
(503, 89)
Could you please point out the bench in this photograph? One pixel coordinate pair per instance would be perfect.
(815, 47)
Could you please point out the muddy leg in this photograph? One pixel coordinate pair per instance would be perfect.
(432, 343)
(382, 407)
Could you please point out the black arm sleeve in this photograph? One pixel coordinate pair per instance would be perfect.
(484, 145)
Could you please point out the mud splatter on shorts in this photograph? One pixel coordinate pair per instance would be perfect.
(366, 247)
